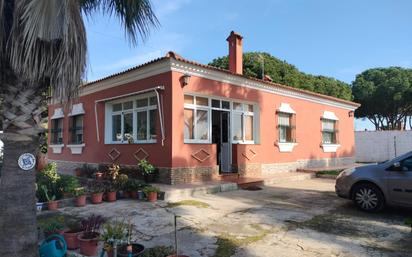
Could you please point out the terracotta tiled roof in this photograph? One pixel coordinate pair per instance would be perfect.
(176, 56)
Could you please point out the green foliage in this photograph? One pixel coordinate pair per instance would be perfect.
(114, 230)
(121, 182)
(408, 222)
(68, 184)
(134, 185)
(150, 189)
(158, 251)
(79, 191)
(385, 95)
(52, 225)
(46, 193)
(48, 183)
(284, 73)
(96, 187)
(146, 168)
(194, 203)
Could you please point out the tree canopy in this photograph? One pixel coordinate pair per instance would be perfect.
(385, 95)
(287, 74)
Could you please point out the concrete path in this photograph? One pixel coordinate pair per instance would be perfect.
(300, 218)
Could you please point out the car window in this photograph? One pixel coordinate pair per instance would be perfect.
(407, 164)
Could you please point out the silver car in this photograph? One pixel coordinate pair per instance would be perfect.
(372, 187)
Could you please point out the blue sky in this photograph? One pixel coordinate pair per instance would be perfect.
(333, 38)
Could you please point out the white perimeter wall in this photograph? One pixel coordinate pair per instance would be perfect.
(378, 146)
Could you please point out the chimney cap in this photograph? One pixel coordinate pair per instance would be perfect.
(234, 34)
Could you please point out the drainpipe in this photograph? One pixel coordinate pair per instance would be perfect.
(160, 109)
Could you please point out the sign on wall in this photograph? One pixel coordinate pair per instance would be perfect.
(27, 161)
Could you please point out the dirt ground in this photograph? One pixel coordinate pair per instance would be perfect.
(303, 218)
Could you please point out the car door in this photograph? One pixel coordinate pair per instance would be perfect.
(399, 182)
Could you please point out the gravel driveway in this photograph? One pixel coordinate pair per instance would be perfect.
(302, 218)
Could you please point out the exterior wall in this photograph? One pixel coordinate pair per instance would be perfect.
(96, 152)
(250, 158)
(181, 162)
(385, 144)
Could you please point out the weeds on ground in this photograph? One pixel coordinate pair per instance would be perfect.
(194, 203)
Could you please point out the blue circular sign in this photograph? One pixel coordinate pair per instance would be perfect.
(27, 161)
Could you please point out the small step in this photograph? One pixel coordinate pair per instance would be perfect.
(287, 177)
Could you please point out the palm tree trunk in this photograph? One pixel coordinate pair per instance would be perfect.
(21, 118)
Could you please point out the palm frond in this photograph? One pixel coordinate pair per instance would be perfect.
(2, 32)
(48, 41)
(136, 16)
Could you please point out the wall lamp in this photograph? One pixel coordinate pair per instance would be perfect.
(185, 79)
(351, 113)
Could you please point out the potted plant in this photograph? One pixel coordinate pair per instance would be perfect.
(89, 238)
(97, 189)
(67, 184)
(130, 249)
(78, 172)
(151, 193)
(71, 235)
(52, 204)
(80, 196)
(113, 233)
(133, 185)
(120, 184)
(53, 225)
(110, 192)
(148, 171)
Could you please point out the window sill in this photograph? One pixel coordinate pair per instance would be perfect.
(134, 143)
(243, 142)
(76, 149)
(57, 148)
(330, 148)
(197, 142)
(286, 147)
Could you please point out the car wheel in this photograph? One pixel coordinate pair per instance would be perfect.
(368, 197)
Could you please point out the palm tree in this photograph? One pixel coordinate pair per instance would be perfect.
(42, 45)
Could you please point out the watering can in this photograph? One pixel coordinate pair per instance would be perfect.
(53, 246)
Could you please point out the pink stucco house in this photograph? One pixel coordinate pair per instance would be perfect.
(196, 122)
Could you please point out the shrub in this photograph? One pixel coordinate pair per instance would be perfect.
(52, 225)
(88, 170)
(134, 185)
(121, 182)
(48, 178)
(91, 225)
(68, 184)
(158, 251)
(150, 189)
(115, 230)
(146, 167)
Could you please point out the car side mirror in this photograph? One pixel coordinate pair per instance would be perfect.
(397, 165)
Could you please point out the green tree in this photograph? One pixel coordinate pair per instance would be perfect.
(385, 95)
(43, 45)
(255, 64)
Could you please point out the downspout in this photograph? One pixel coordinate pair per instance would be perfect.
(126, 95)
(160, 109)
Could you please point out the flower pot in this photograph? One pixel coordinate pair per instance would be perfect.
(152, 197)
(97, 198)
(88, 245)
(133, 194)
(80, 201)
(99, 176)
(52, 205)
(140, 195)
(111, 196)
(41, 161)
(71, 238)
(137, 250)
(161, 195)
(150, 178)
(49, 233)
(78, 172)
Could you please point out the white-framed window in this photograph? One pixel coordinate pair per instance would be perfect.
(132, 120)
(243, 123)
(76, 129)
(57, 131)
(197, 119)
(286, 127)
(329, 131)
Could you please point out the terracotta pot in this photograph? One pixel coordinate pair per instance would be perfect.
(99, 176)
(152, 197)
(41, 161)
(136, 249)
(80, 201)
(88, 246)
(52, 205)
(97, 198)
(78, 172)
(71, 238)
(111, 196)
(133, 194)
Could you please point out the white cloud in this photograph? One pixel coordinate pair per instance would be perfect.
(130, 61)
(163, 8)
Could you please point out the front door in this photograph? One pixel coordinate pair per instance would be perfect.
(225, 145)
(221, 137)
(399, 182)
